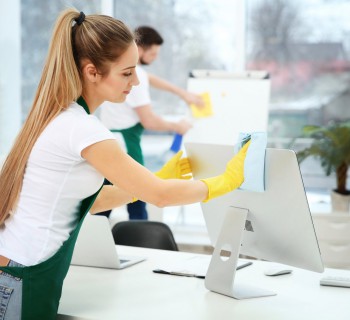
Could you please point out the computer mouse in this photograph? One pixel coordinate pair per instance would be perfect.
(277, 271)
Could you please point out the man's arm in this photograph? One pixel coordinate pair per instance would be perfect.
(152, 121)
(188, 97)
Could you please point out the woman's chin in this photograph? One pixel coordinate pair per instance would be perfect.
(120, 99)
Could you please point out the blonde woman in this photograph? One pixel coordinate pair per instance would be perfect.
(55, 170)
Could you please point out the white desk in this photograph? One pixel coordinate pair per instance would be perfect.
(138, 293)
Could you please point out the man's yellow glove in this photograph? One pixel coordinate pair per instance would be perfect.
(231, 179)
(175, 168)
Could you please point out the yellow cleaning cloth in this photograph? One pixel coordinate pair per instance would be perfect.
(205, 111)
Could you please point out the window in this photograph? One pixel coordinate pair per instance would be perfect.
(197, 35)
(305, 47)
(37, 20)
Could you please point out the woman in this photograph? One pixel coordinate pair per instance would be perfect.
(56, 167)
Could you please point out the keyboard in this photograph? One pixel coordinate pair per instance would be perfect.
(335, 281)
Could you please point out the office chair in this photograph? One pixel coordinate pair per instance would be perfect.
(144, 233)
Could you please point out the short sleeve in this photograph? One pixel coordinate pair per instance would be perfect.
(87, 131)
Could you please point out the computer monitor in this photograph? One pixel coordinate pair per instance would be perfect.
(274, 225)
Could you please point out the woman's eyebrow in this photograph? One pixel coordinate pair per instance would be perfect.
(129, 68)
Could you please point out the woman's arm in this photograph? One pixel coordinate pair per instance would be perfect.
(134, 180)
(110, 197)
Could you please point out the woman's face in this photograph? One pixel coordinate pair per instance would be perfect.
(121, 78)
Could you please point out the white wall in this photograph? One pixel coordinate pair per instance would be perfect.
(10, 75)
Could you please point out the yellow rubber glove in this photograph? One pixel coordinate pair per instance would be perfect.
(231, 179)
(176, 168)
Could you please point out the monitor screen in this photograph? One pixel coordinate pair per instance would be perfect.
(279, 226)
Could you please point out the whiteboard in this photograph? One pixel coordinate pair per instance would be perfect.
(240, 104)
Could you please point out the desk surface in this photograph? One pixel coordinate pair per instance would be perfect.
(138, 293)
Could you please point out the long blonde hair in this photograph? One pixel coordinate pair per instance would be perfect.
(98, 38)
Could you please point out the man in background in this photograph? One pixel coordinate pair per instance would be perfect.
(136, 113)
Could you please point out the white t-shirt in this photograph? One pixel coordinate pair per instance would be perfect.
(55, 181)
(122, 115)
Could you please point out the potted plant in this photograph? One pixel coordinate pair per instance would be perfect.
(331, 144)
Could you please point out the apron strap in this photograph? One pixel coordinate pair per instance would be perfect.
(132, 138)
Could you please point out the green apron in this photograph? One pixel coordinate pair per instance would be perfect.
(42, 283)
(132, 138)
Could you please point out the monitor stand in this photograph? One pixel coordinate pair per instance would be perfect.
(221, 272)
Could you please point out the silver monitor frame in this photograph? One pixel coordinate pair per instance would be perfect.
(277, 226)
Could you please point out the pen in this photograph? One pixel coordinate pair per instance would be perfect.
(244, 265)
(178, 273)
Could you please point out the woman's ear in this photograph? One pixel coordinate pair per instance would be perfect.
(90, 72)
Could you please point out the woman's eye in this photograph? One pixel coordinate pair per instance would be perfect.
(128, 74)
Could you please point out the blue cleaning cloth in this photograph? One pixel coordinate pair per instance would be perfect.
(254, 164)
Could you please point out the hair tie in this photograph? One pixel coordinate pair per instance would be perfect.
(80, 19)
